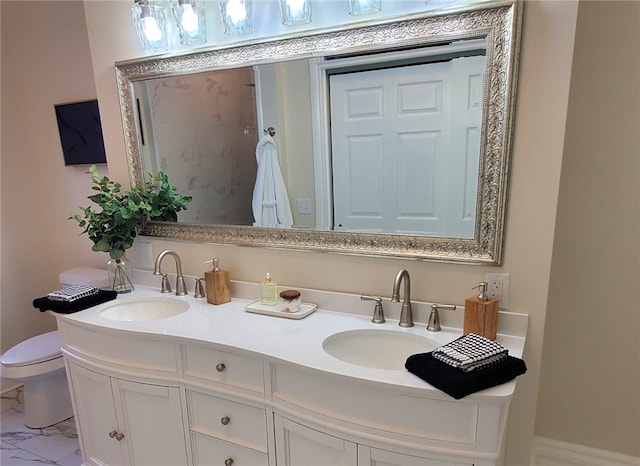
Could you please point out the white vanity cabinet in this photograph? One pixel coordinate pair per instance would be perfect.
(126, 423)
(223, 387)
(297, 444)
(228, 422)
(126, 398)
(323, 420)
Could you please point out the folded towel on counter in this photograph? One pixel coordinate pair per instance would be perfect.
(69, 307)
(72, 292)
(471, 352)
(458, 383)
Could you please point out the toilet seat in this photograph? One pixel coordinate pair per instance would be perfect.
(35, 350)
(36, 357)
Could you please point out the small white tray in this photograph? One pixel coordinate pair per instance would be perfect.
(276, 310)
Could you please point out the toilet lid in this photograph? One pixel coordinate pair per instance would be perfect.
(34, 350)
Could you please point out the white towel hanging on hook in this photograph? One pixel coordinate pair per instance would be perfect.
(270, 203)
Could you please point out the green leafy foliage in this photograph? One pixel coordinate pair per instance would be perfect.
(114, 226)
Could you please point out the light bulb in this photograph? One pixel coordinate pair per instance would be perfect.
(151, 29)
(189, 18)
(236, 11)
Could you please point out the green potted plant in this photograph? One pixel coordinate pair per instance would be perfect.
(113, 226)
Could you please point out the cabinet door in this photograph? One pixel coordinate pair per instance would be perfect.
(368, 456)
(96, 416)
(150, 417)
(298, 445)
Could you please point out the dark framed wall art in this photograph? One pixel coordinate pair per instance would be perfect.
(81, 133)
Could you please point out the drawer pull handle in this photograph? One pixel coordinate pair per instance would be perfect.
(225, 420)
(113, 433)
(220, 367)
(119, 436)
(228, 462)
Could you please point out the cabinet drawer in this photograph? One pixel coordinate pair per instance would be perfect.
(208, 451)
(379, 412)
(222, 367)
(140, 353)
(227, 420)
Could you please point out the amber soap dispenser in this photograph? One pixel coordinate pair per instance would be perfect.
(218, 284)
(481, 314)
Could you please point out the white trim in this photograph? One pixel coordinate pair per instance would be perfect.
(548, 452)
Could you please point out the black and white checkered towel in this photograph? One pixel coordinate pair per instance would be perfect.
(72, 292)
(471, 352)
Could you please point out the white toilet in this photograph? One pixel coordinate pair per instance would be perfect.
(38, 363)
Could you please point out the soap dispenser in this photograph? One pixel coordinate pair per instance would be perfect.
(269, 291)
(481, 314)
(218, 284)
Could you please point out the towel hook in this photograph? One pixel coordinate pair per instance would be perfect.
(271, 131)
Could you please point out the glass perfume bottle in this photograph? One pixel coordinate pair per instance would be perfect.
(269, 291)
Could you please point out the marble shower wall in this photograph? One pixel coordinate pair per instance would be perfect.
(208, 122)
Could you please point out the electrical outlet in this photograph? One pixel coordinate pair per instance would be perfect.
(498, 287)
(145, 254)
(304, 206)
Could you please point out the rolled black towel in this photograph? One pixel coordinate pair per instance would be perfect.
(64, 307)
(458, 383)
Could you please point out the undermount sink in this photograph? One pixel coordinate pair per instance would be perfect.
(141, 309)
(378, 349)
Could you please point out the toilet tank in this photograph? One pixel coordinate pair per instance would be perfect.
(89, 276)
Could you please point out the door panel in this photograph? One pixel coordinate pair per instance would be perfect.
(393, 137)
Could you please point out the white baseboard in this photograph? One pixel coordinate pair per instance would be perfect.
(548, 452)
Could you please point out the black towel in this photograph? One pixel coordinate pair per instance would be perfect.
(458, 383)
(64, 307)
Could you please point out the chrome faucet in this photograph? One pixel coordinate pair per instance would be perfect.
(406, 314)
(181, 288)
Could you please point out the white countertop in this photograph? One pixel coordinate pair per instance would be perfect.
(292, 341)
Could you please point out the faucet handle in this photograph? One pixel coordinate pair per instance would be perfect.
(378, 312)
(166, 287)
(434, 319)
(199, 291)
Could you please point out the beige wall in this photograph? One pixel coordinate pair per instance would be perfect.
(545, 68)
(45, 61)
(544, 88)
(591, 361)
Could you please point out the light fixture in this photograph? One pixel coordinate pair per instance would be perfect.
(190, 19)
(295, 12)
(151, 26)
(236, 16)
(363, 7)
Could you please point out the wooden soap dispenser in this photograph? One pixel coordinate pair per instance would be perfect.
(481, 314)
(218, 284)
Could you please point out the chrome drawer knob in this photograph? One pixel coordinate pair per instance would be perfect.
(220, 367)
(228, 462)
(119, 436)
(113, 433)
(225, 420)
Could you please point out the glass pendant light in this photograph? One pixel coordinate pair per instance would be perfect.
(236, 16)
(363, 7)
(190, 19)
(295, 12)
(151, 26)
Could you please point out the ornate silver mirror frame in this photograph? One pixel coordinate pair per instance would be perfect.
(496, 22)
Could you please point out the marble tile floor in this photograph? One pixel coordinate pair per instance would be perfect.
(22, 446)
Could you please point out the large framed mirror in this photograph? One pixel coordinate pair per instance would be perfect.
(392, 139)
